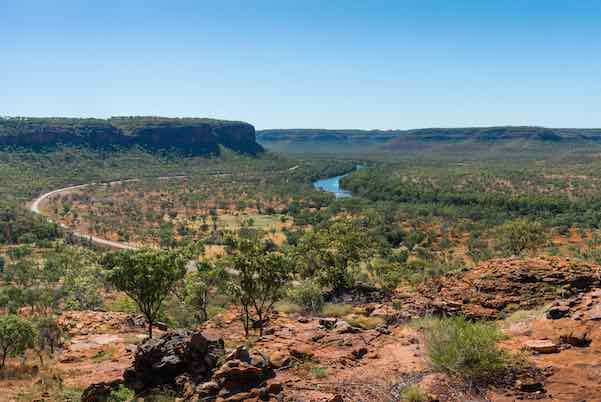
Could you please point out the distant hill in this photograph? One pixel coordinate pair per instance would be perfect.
(308, 140)
(196, 136)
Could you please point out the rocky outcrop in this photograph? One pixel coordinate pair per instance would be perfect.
(173, 359)
(196, 367)
(190, 136)
(502, 286)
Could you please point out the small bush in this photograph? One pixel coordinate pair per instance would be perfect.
(319, 372)
(71, 395)
(521, 235)
(308, 295)
(336, 310)
(121, 394)
(414, 393)
(465, 349)
(123, 304)
(388, 275)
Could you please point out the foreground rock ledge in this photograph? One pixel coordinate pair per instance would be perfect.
(196, 368)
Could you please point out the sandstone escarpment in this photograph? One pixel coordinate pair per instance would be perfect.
(190, 136)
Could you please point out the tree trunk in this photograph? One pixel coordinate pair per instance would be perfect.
(260, 315)
(149, 329)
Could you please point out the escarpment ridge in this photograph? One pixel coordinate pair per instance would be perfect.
(195, 136)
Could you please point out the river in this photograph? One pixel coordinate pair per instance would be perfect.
(332, 185)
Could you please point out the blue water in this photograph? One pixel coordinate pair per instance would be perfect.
(332, 185)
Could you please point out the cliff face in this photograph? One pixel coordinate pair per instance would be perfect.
(239, 137)
(190, 136)
(197, 139)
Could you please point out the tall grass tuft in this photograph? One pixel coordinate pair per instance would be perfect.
(466, 350)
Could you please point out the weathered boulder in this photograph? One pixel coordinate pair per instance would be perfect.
(557, 312)
(328, 322)
(578, 336)
(236, 376)
(160, 361)
(344, 327)
(542, 346)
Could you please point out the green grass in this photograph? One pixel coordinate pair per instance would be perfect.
(319, 372)
(466, 350)
(122, 304)
(103, 355)
(262, 222)
(121, 394)
(524, 315)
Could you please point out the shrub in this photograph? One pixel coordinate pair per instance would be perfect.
(388, 275)
(319, 372)
(465, 349)
(121, 394)
(331, 254)
(414, 393)
(16, 336)
(521, 235)
(123, 304)
(308, 295)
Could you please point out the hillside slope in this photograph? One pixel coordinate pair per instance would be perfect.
(189, 135)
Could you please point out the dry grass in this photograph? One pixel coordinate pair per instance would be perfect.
(364, 322)
(288, 307)
(46, 385)
(337, 310)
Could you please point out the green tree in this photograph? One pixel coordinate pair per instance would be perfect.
(48, 336)
(259, 281)
(147, 276)
(198, 287)
(332, 254)
(16, 336)
(521, 235)
(388, 274)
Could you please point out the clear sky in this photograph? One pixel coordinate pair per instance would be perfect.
(319, 64)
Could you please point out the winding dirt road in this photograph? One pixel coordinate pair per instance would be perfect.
(35, 208)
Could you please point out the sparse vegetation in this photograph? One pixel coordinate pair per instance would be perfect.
(308, 295)
(146, 276)
(271, 241)
(414, 393)
(260, 280)
(16, 336)
(465, 350)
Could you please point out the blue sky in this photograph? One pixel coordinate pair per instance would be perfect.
(326, 64)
